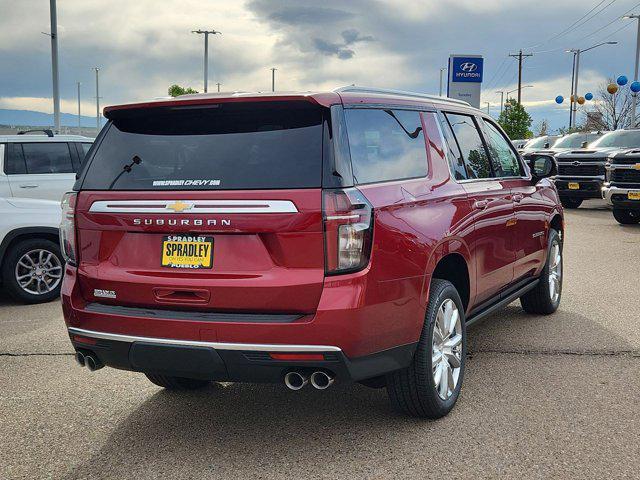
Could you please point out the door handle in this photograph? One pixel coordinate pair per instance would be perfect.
(29, 185)
(517, 197)
(480, 204)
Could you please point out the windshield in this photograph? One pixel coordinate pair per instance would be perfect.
(538, 142)
(575, 140)
(619, 139)
(225, 146)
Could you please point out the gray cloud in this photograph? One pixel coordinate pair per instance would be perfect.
(286, 13)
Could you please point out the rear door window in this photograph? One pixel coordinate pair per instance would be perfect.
(471, 146)
(503, 159)
(386, 145)
(47, 157)
(243, 145)
(15, 160)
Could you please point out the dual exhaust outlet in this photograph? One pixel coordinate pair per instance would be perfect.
(88, 360)
(319, 380)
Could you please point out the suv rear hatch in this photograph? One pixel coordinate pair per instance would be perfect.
(205, 207)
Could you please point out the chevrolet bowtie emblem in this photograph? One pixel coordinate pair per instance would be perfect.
(179, 206)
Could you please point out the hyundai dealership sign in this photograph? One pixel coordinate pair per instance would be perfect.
(465, 78)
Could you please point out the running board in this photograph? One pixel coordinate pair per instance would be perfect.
(502, 302)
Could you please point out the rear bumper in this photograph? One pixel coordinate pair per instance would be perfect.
(618, 197)
(231, 362)
(589, 187)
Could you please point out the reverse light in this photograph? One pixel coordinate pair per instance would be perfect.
(348, 225)
(67, 227)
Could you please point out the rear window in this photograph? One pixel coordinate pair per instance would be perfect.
(222, 147)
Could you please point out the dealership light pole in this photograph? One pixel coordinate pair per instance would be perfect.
(577, 53)
(273, 79)
(54, 64)
(97, 99)
(635, 74)
(206, 34)
(79, 117)
(501, 92)
(442, 70)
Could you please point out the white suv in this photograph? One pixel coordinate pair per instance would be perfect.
(31, 265)
(40, 166)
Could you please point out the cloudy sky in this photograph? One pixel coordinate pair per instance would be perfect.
(143, 46)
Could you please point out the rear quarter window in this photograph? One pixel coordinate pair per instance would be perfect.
(386, 145)
(262, 145)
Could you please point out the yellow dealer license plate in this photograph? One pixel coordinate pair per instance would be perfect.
(574, 186)
(187, 251)
(633, 195)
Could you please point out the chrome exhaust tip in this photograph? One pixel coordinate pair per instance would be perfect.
(92, 363)
(295, 380)
(80, 359)
(321, 380)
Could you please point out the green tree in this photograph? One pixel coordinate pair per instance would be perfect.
(176, 90)
(515, 120)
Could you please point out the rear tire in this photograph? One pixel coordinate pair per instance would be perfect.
(440, 353)
(32, 271)
(570, 203)
(626, 217)
(544, 299)
(177, 383)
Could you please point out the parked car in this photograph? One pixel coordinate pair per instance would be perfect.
(520, 143)
(581, 173)
(540, 143)
(622, 188)
(30, 260)
(571, 141)
(343, 236)
(40, 166)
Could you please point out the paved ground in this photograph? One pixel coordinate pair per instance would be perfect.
(543, 397)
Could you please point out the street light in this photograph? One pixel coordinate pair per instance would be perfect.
(635, 75)
(442, 70)
(501, 92)
(206, 34)
(574, 88)
(515, 89)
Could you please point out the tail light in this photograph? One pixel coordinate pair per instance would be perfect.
(67, 228)
(348, 225)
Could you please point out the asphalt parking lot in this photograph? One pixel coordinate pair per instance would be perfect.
(555, 396)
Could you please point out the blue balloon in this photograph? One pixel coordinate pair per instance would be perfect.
(588, 96)
(635, 87)
(622, 80)
(559, 99)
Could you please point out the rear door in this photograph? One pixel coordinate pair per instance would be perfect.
(42, 170)
(492, 242)
(216, 208)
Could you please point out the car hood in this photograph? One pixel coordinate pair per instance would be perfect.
(589, 152)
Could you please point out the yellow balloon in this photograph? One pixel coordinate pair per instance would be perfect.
(581, 100)
(612, 88)
(573, 98)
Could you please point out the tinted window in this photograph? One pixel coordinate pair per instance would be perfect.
(471, 146)
(14, 160)
(47, 157)
(386, 145)
(227, 146)
(504, 161)
(456, 162)
(85, 149)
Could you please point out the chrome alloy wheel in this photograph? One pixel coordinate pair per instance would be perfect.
(555, 271)
(446, 351)
(38, 272)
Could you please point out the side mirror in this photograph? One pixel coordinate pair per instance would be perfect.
(542, 166)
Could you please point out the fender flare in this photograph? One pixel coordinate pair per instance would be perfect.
(18, 232)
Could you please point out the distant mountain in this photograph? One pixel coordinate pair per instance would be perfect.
(39, 119)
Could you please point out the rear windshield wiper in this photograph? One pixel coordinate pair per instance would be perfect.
(136, 160)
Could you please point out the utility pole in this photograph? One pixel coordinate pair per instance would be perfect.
(572, 97)
(218, 84)
(501, 92)
(635, 75)
(79, 117)
(273, 79)
(97, 100)
(206, 34)
(54, 64)
(442, 70)
(520, 56)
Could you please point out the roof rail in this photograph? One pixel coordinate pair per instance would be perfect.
(389, 91)
(44, 130)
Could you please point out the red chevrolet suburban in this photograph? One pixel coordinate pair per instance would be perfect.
(304, 238)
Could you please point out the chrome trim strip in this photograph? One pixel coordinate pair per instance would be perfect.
(257, 347)
(193, 206)
(586, 177)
